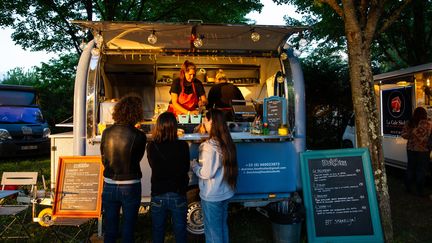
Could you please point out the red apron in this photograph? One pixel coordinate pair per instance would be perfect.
(187, 101)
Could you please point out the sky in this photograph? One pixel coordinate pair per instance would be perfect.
(14, 56)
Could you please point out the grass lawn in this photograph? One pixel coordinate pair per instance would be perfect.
(411, 214)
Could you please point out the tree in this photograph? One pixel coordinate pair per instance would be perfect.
(54, 83)
(361, 21)
(45, 25)
(408, 41)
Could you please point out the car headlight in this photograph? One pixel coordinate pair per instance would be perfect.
(46, 132)
(4, 134)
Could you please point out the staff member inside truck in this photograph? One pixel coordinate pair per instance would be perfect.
(187, 92)
(222, 94)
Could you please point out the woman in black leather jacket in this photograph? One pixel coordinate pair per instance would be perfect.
(122, 148)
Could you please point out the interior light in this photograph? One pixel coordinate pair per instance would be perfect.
(152, 38)
(402, 83)
(255, 36)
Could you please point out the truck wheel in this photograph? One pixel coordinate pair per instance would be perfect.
(45, 217)
(347, 144)
(195, 220)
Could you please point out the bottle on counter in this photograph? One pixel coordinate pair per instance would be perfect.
(265, 129)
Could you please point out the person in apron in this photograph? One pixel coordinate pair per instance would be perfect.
(187, 92)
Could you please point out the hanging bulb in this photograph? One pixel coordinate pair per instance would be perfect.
(198, 42)
(152, 38)
(82, 45)
(283, 56)
(255, 36)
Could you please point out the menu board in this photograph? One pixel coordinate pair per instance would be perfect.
(78, 187)
(274, 112)
(340, 196)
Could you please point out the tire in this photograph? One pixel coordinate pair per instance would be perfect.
(45, 217)
(195, 220)
(347, 144)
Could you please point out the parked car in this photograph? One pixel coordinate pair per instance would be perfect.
(23, 130)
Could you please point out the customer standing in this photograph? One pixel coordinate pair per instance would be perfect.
(217, 171)
(417, 130)
(122, 148)
(169, 160)
(187, 92)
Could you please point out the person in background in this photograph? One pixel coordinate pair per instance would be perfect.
(417, 131)
(169, 160)
(221, 95)
(187, 92)
(217, 171)
(122, 148)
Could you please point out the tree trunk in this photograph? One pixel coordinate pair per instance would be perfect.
(367, 117)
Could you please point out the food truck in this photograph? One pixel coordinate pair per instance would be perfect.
(143, 59)
(398, 94)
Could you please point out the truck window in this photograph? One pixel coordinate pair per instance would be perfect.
(22, 115)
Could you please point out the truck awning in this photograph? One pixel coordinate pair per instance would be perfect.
(178, 38)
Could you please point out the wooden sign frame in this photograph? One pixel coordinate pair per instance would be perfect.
(69, 203)
(333, 224)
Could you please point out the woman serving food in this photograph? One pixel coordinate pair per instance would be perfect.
(187, 92)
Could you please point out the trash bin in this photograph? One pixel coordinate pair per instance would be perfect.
(287, 217)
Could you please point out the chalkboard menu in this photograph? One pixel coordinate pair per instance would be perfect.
(78, 187)
(340, 196)
(274, 112)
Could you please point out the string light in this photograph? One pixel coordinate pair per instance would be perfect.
(283, 56)
(152, 38)
(198, 42)
(255, 36)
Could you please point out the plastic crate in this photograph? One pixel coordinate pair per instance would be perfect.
(195, 119)
(183, 118)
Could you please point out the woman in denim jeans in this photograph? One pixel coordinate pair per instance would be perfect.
(217, 171)
(169, 160)
(122, 148)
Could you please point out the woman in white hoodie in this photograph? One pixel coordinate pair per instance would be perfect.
(217, 171)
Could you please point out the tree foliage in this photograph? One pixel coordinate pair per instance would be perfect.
(328, 98)
(45, 25)
(54, 82)
(398, 42)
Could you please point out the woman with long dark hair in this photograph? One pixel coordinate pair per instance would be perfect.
(417, 131)
(169, 160)
(122, 148)
(217, 171)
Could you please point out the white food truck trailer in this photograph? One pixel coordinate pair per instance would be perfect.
(143, 58)
(398, 94)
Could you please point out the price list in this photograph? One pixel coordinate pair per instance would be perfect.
(339, 197)
(80, 186)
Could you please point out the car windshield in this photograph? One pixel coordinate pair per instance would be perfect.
(24, 115)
